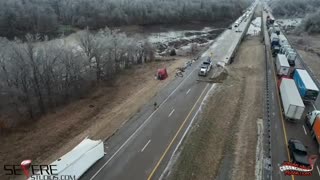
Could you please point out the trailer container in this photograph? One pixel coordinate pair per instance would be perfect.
(306, 86)
(316, 132)
(282, 65)
(282, 40)
(292, 103)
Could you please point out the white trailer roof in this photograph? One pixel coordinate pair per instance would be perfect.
(283, 60)
(308, 82)
(281, 36)
(286, 46)
(274, 35)
(292, 92)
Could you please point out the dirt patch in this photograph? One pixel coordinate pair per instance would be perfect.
(96, 116)
(220, 75)
(225, 136)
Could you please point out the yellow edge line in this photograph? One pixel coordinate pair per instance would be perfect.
(281, 115)
(175, 136)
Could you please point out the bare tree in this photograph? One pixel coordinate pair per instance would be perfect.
(18, 17)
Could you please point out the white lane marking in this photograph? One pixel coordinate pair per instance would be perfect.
(304, 129)
(314, 107)
(318, 170)
(172, 158)
(171, 112)
(144, 147)
(188, 91)
(141, 126)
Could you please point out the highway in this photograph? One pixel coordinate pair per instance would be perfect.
(281, 129)
(142, 148)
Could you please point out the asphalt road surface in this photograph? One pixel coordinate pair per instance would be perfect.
(283, 130)
(142, 148)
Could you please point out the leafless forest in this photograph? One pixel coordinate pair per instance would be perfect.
(37, 74)
(35, 77)
(308, 9)
(293, 8)
(51, 17)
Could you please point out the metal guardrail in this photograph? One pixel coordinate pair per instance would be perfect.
(267, 171)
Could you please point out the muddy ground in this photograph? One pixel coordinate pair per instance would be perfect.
(222, 144)
(308, 47)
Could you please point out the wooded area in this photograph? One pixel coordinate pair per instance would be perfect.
(311, 23)
(307, 9)
(294, 8)
(55, 17)
(35, 78)
(38, 75)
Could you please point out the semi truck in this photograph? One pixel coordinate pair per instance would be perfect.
(275, 50)
(314, 120)
(306, 86)
(282, 65)
(292, 103)
(274, 39)
(284, 47)
(205, 67)
(282, 40)
(311, 117)
(291, 56)
(270, 21)
(276, 30)
(316, 132)
(273, 29)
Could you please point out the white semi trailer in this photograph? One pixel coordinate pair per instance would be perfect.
(292, 103)
(282, 65)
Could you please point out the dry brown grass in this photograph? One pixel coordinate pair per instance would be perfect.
(225, 135)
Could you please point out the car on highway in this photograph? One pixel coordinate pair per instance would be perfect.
(238, 30)
(298, 152)
(236, 24)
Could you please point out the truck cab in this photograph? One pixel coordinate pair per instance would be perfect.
(275, 50)
(311, 117)
(204, 69)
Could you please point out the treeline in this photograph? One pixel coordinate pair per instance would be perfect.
(293, 8)
(35, 78)
(310, 24)
(308, 9)
(50, 17)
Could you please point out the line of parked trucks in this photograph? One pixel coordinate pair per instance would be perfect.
(296, 87)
